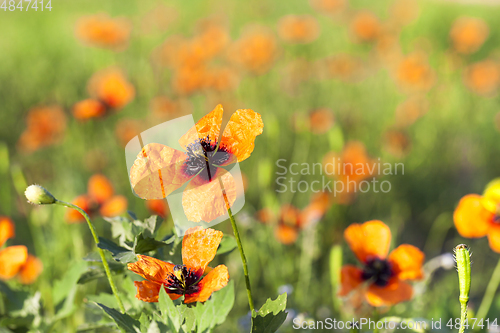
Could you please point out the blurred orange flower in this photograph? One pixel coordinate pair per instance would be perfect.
(298, 28)
(483, 77)
(340, 66)
(110, 86)
(468, 34)
(255, 51)
(350, 167)
(163, 107)
(410, 110)
(397, 142)
(15, 260)
(159, 170)
(477, 216)
(328, 6)
(99, 198)
(127, 129)
(158, 207)
(292, 220)
(194, 279)
(381, 281)
(45, 126)
(103, 31)
(88, 108)
(321, 120)
(414, 73)
(365, 26)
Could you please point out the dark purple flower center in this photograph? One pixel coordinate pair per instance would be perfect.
(377, 270)
(182, 281)
(204, 156)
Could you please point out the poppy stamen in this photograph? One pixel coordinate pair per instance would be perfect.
(378, 270)
(182, 281)
(204, 154)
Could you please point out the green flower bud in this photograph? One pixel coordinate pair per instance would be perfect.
(38, 195)
(462, 258)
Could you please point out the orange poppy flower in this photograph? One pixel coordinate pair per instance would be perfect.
(382, 280)
(344, 67)
(292, 220)
(99, 198)
(350, 167)
(414, 73)
(477, 216)
(103, 31)
(397, 142)
(328, 6)
(45, 126)
(321, 120)
(298, 29)
(7, 229)
(158, 207)
(411, 110)
(255, 51)
(111, 87)
(483, 77)
(30, 270)
(194, 279)
(365, 26)
(468, 34)
(159, 170)
(89, 108)
(12, 258)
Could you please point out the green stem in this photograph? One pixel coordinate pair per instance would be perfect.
(463, 316)
(490, 293)
(101, 252)
(243, 259)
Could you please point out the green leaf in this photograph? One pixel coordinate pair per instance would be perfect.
(171, 314)
(270, 316)
(119, 253)
(214, 311)
(96, 272)
(151, 225)
(69, 280)
(126, 323)
(227, 244)
(144, 244)
(335, 267)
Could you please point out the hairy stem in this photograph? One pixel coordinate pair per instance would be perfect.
(101, 252)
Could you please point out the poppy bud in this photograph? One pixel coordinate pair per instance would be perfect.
(462, 258)
(38, 195)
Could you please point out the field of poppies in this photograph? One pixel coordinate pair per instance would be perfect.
(249, 166)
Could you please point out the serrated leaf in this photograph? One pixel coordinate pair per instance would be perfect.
(119, 253)
(171, 314)
(227, 244)
(270, 316)
(126, 323)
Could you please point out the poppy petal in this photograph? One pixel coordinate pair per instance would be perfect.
(240, 133)
(213, 281)
(205, 201)
(88, 108)
(286, 234)
(11, 260)
(199, 247)
(407, 262)
(370, 239)
(157, 171)
(31, 269)
(74, 216)
(147, 291)
(395, 292)
(494, 238)
(151, 269)
(100, 188)
(471, 219)
(350, 279)
(7, 229)
(208, 126)
(114, 206)
(158, 207)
